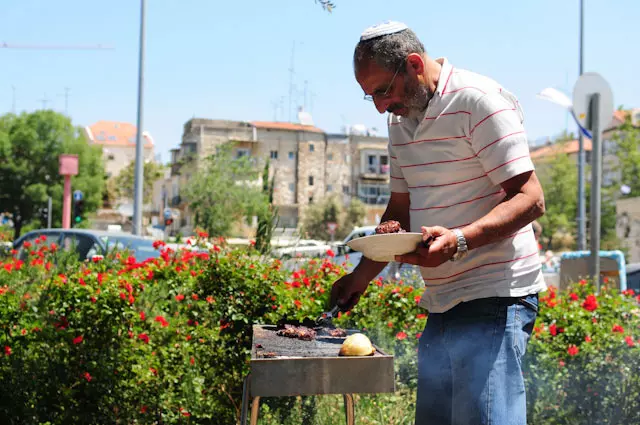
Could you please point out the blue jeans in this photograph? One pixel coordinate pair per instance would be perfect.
(470, 363)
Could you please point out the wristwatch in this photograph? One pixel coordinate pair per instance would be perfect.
(463, 250)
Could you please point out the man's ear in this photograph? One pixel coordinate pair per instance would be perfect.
(415, 67)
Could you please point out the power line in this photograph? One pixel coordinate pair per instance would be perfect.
(5, 45)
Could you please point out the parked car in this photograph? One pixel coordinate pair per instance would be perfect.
(303, 248)
(350, 258)
(633, 277)
(88, 243)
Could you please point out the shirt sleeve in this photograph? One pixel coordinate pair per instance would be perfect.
(397, 183)
(498, 136)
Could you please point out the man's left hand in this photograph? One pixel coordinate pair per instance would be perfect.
(440, 250)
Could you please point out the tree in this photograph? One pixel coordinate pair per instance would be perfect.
(627, 149)
(326, 5)
(267, 217)
(223, 191)
(560, 184)
(331, 210)
(125, 181)
(30, 145)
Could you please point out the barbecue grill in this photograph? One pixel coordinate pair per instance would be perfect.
(282, 366)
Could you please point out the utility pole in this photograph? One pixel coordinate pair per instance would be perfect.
(44, 102)
(582, 212)
(139, 166)
(66, 100)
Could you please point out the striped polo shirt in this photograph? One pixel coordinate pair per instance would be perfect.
(451, 162)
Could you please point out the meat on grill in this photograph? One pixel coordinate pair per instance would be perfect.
(390, 226)
(337, 332)
(300, 332)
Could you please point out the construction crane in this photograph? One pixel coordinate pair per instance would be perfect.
(5, 45)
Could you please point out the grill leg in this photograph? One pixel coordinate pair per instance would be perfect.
(349, 408)
(245, 401)
(255, 409)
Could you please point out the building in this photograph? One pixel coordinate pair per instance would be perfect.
(543, 154)
(118, 141)
(305, 162)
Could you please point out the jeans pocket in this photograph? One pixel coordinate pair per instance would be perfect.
(526, 312)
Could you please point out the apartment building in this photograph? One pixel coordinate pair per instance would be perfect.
(306, 163)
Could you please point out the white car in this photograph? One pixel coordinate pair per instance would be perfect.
(303, 248)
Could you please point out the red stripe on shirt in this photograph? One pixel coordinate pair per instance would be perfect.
(508, 162)
(489, 116)
(497, 140)
(448, 184)
(461, 159)
(448, 113)
(481, 265)
(458, 203)
(431, 140)
(462, 88)
(397, 178)
(393, 157)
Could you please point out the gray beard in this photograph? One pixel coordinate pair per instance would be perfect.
(418, 98)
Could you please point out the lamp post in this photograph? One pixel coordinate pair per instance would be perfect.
(139, 166)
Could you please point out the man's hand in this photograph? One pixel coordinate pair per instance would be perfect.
(443, 246)
(347, 290)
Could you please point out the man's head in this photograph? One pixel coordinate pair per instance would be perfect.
(389, 63)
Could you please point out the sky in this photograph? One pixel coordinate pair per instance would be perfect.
(232, 59)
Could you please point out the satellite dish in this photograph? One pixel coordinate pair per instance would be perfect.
(304, 118)
(625, 190)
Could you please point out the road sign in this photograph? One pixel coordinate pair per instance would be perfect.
(331, 227)
(587, 85)
(167, 213)
(78, 195)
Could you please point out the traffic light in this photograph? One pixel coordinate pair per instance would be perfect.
(168, 221)
(78, 212)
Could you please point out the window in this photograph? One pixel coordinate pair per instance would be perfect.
(112, 138)
(273, 154)
(330, 157)
(310, 180)
(312, 148)
(311, 199)
(242, 152)
(345, 189)
(373, 194)
(291, 155)
(291, 187)
(375, 162)
(329, 188)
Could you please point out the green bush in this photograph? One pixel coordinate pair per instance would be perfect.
(168, 341)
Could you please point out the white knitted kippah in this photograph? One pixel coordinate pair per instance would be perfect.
(383, 28)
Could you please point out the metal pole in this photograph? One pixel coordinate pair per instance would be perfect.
(582, 225)
(49, 213)
(596, 179)
(66, 203)
(139, 167)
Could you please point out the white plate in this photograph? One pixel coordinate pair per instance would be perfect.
(386, 246)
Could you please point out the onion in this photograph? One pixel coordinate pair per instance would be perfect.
(357, 345)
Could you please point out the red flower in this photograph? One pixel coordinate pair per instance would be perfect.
(587, 338)
(401, 335)
(93, 300)
(87, 376)
(78, 339)
(142, 315)
(163, 322)
(418, 335)
(553, 330)
(572, 350)
(192, 360)
(628, 292)
(7, 350)
(330, 253)
(194, 297)
(590, 303)
(297, 303)
(143, 409)
(582, 282)
(617, 328)
(210, 299)
(179, 297)
(629, 340)
(144, 338)
(573, 296)
(417, 299)
(158, 244)
(421, 316)
(203, 234)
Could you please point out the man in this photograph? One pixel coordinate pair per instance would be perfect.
(460, 173)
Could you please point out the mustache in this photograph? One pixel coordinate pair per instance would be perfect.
(394, 107)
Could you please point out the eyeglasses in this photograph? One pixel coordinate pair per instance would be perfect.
(379, 93)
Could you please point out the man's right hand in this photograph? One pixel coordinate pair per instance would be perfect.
(347, 290)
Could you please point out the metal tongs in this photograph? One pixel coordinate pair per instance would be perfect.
(326, 317)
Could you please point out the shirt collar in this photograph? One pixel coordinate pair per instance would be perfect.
(445, 74)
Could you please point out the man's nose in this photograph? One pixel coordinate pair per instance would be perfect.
(381, 105)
